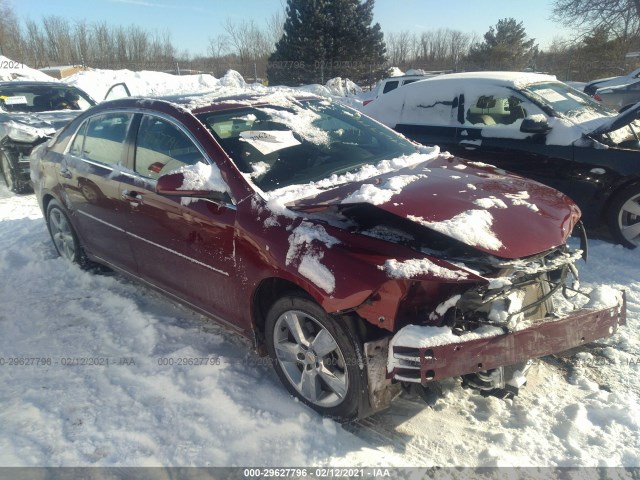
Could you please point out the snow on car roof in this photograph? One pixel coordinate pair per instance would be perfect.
(518, 79)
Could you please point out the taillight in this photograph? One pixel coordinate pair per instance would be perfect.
(597, 97)
(366, 102)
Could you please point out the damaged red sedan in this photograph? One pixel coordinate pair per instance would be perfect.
(359, 261)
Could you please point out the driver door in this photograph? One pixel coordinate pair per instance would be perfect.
(182, 245)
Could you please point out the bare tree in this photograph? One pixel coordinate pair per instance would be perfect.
(10, 35)
(619, 17)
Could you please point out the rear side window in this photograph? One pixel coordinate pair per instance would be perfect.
(105, 136)
(390, 86)
(162, 147)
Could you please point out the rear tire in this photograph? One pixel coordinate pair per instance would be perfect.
(623, 217)
(318, 359)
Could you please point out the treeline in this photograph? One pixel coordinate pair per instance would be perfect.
(598, 50)
(52, 41)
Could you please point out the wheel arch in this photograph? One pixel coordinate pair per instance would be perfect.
(269, 290)
(264, 296)
(616, 191)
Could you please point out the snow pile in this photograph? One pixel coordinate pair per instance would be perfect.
(339, 87)
(201, 177)
(374, 195)
(12, 70)
(418, 336)
(153, 84)
(472, 227)
(603, 297)
(394, 72)
(301, 121)
(306, 243)
(415, 267)
(490, 202)
(521, 198)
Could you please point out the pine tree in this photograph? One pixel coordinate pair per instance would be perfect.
(505, 47)
(323, 39)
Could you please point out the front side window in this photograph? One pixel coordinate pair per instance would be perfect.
(277, 146)
(162, 147)
(492, 110)
(105, 136)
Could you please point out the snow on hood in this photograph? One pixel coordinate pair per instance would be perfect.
(277, 200)
(438, 197)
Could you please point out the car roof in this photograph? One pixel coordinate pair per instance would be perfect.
(215, 101)
(517, 79)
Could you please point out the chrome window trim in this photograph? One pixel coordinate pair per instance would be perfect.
(135, 175)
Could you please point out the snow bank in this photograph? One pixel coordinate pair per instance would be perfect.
(12, 70)
(97, 82)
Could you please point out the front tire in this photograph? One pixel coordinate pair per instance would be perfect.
(318, 359)
(623, 217)
(63, 235)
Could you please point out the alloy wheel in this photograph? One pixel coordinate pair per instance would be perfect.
(62, 234)
(629, 219)
(310, 358)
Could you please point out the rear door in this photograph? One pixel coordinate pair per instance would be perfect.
(182, 245)
(430, 118)
(90, 173)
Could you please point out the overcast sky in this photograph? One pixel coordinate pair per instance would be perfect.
(193, 22)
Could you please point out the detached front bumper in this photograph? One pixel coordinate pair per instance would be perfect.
(427, 363)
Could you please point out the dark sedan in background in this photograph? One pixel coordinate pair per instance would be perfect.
(30, 113)
(535, 126)
(357, 260)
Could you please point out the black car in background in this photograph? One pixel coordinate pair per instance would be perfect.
(535, 126)
(30, 113)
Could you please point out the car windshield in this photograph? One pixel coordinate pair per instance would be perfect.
(565, 100)
(580, 108)
(42, 98)
(279, 146)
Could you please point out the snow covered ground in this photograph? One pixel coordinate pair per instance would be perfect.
(582, 409)
(61, 404)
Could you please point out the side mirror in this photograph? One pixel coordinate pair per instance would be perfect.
(535, 125)
(171, 185)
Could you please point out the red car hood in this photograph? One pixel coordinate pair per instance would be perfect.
(500, 214)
